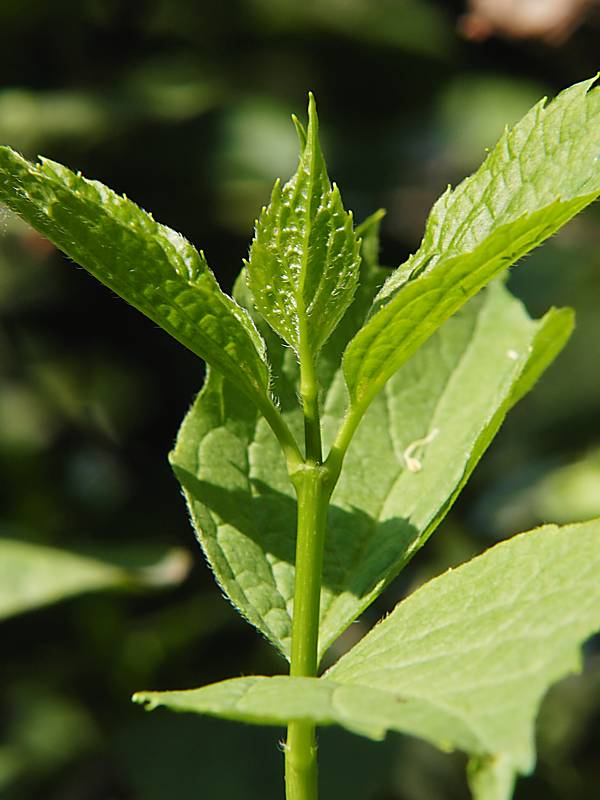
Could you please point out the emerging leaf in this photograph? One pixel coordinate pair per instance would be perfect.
(304, 260)
(540, 174)
(464, 662)
(149, 265)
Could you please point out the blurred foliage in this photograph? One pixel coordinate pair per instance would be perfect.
(185, 106)
(32, 575)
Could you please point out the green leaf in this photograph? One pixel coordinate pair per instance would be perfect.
(491, 777)
(432, 423)
(149, 265)
(33, 575)
(279, 700)
(242, 503)
(485, 641)
(540, 174)
(464, 662)
(304, 260)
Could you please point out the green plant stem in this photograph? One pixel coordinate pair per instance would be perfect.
(313, 501)
(309, 390)
(336, 456)
(284, 435)
(313, 491)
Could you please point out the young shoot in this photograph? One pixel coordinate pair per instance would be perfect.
(344, 409)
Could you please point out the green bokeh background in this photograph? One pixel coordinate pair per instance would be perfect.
(184, 105)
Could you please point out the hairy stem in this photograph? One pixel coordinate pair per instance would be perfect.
(313, 500)
(309, 390)
(313, 491)
(283, 434)
(339, 448)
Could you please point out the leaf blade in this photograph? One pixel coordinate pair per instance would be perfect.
(149, 265)
(226, 458)
(462, 662)
(304, 259)
(486, 640)
(279, 700)
(461, 385)
(541, 173)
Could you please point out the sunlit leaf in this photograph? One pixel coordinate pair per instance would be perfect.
(149, 265)
(540, 174)
(304, 260)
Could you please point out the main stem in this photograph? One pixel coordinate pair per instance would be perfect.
(301, 750)
(313, 491)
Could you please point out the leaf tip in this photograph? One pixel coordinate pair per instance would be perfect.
(313, 119)
(144, 699)
(300, 131)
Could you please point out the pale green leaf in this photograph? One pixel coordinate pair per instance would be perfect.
(149, 265)
(242, 503)
(491, 777)
(33, 575)
(463, 662)
(304, 260)
(485, 641)
(437, 415)
(540, 174)
(279, 700)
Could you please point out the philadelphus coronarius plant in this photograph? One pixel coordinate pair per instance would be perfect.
(344, 408)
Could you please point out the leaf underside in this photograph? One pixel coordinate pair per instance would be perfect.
(464, 662)
(460, 384)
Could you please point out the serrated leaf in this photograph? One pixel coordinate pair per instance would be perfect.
(485, 641)
(540, 174)
(464, 662)
(440, 412)
(151, 266)
(304, 260)
(242, 503)
(34, 575)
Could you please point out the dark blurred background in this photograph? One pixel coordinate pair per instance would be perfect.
(184, 106)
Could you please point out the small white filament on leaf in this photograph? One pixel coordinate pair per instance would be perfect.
(413, 464)
(512, 354)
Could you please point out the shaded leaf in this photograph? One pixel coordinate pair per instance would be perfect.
(33, 575)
